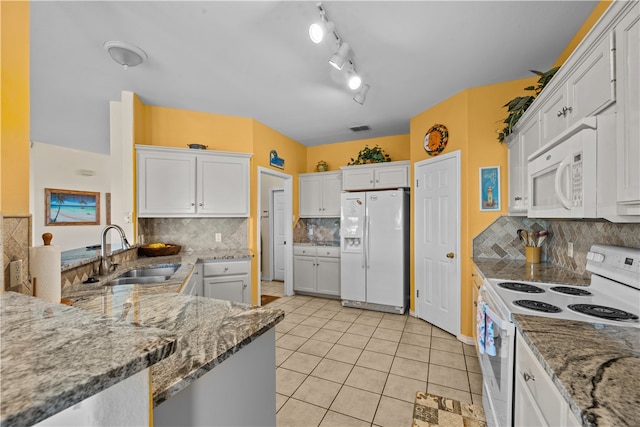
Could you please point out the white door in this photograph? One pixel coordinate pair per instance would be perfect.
(278, 234)
(437, 228)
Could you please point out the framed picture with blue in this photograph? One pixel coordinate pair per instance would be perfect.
(71, 207)
(490, 188)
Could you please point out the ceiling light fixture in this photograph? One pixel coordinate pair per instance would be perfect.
(125, 53)
(339, 58)
(317, 30)
(361, 96)
(354, 80)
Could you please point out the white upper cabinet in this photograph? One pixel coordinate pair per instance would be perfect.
(376, 176)
(320, 194)
(521, 145)
(174, 182)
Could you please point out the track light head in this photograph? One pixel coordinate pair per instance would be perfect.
(354, 80)
(339, 58)
(318, 30)
(361, 96)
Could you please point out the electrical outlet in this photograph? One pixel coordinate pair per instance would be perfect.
(16, 272)
(218, 237)
(570, 249)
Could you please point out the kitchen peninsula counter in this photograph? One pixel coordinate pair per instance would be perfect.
(595, 367)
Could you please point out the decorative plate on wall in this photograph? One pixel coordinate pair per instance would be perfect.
(436, 139)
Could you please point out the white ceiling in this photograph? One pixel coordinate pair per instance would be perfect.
(255, 59)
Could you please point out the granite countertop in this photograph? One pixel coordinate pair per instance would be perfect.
(595, 367)
(54, 356)
(520, 270)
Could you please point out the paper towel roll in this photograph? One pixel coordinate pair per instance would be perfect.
(45, 268)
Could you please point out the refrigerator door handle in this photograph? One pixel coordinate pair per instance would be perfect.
(367, 221)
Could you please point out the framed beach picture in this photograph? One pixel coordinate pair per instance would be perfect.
(71, 207)
(490, 188)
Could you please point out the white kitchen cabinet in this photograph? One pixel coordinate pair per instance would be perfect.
(194, 285)
(537, 400)
(628, 114)
(521, 145)
(376, 176)
(316, 269)
(228, 280)
(320, 194)
(174, 182)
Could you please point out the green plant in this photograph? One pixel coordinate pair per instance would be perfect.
(518, 105)
(370, 155)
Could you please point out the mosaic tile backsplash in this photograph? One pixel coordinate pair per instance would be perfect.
(16, 239)
(196, 233)
(499, 240)
(317, 230)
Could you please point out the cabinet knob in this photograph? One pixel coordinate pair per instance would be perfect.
(200, 204)
(226, 268)
(377, 180)
(371, 182)
(517, 198)
(193, 204)
(527, 376)
(564, 111)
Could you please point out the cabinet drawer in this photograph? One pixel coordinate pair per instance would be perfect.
(226, 268)
(328, 251)
(304, 250)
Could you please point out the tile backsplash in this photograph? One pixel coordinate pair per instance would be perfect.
(317, 230)
(16, 239)
(499, 240)
(196, 233)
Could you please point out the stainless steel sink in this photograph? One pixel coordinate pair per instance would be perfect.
(137, 280)
(145, 275)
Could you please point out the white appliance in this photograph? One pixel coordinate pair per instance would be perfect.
(611, 298)
(374, 258)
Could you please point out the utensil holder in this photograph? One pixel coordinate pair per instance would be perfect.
(532, 254)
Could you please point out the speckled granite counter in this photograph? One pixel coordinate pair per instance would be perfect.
(492, 268)
(54, 356)
(595, 367)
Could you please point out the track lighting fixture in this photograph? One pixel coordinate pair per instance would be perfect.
(338, 59)
(362, 94)
(354, 80)
(319, 29)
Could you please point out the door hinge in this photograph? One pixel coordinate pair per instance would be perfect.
(417, 183)
(417, 293)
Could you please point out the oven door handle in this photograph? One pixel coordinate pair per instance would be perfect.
(496, 319)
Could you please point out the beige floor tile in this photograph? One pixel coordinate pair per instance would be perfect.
(334, 419)
(448, 377)
(337, 325)
(304, 331)
(377, 361)
(333, 305)
(413, 352)
(290, 342)
(332, 370)
(295, 413)
(304, 310)
(301, 362)
(288, 381)
(326, 335)
(444, 358)
(395, 317)
(382, 346)
(317, 391)
(422, 329)
(316, 303)
(356, 403)
(364, 330)
(371, 313)
(413, 319)
(469, 350)
(410, 368)
(366, 320)
(391, 324)
(346, 317)
(315, 347)
(393, 413)
(357, 311)
(449, 392)
(477, 399)
(279, 335)
(439, 333)
(353, 340)
(473, 364)
(343, 353)
(317, 322)
(446, 345)
(403, 388)
(294, 318)
(285, 326)
(416, 339)
(475, 382)
(324, 313)
(367, 379)
(387, 334)
(282, 354)
(280, 400)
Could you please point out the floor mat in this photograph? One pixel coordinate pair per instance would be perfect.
(430, 410)
(266, 299)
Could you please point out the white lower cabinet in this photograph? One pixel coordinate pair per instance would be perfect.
(228, 280)
(537, 401)
(316, 269)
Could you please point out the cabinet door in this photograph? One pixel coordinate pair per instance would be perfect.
(332, 187)
(552, 119)
(304, 273)
(310, 196)
(223, 186)
(166, 184)
(516, 171)
(391, 177)
(525, 411)
(628, 117)
(231, 288)
(328, 276)
(359, 179)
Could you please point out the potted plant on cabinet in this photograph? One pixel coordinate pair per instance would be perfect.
(370, 155)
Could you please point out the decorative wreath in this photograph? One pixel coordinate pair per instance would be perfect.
(436, 139)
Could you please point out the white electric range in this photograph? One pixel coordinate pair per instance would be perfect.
(612, 298)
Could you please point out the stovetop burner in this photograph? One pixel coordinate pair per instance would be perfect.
(521, 287)
(537, 306)
(603, 312)
(571, 291)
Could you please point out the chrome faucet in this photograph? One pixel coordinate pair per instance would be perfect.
(105, 261)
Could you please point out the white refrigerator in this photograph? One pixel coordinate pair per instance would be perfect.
(374, 258)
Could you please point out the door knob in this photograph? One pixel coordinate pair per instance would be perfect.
(450, 255)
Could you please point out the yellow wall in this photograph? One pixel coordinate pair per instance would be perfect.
(14, 113)
(340, 153)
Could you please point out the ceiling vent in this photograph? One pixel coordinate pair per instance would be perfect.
(361, 128)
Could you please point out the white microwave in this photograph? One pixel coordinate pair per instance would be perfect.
(562, 174)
